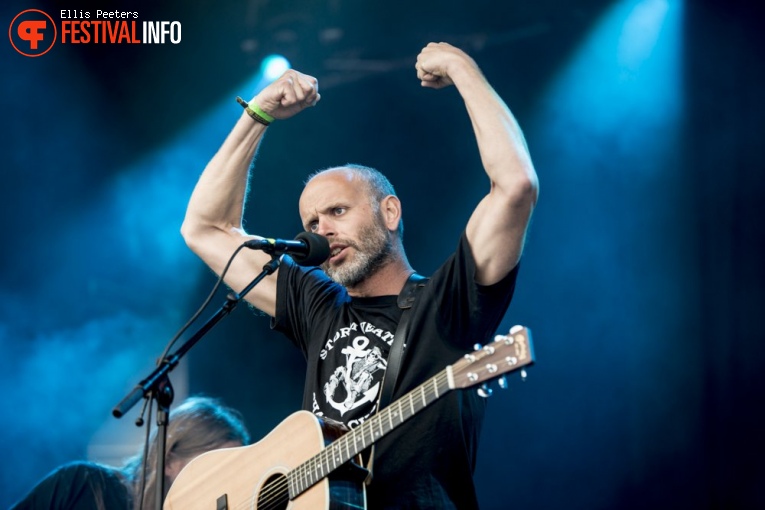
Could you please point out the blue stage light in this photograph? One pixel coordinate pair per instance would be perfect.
(273, 66)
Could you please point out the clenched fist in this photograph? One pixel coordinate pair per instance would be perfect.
(437, 63)
(289, 95)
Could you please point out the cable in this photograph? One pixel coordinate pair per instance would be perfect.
(201, 308)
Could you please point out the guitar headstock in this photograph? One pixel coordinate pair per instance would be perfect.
(505, 354)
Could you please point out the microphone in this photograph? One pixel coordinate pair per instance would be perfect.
(308, 249)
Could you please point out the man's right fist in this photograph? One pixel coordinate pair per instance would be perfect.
(289, 94)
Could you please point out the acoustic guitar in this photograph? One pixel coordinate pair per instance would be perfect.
(305, 463)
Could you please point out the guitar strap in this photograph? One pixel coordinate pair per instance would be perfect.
(405, 302)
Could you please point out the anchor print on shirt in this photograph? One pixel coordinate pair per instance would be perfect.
(355, 377)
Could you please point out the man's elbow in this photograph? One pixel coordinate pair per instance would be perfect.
(530, 187)
(523, 189)
(192, 233)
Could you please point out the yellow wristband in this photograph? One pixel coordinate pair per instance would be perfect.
(255, 112)
(261, 113)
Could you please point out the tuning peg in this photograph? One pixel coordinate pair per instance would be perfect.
(523, 375)
(502, 381)
(484, 390)
(477, 347)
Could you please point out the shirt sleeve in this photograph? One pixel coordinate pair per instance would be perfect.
(302, 293)
(469, 312)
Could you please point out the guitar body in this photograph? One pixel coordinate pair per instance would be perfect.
(255, 476)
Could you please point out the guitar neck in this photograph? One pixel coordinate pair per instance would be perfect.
(357, 440)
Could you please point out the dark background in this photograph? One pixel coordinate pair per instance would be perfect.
(642, 279)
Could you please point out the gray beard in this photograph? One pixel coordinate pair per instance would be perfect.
(372, 252)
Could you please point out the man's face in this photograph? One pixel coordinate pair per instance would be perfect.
(336, 205)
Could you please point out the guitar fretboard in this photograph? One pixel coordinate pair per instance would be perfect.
(357, 440)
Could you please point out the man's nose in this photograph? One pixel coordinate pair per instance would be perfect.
(325, 227)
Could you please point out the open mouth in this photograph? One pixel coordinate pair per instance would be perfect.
(336, 252)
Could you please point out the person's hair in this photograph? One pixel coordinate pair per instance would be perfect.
(198, 425)
(377, 186)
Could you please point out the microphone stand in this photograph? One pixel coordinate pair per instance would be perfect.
(156, 386)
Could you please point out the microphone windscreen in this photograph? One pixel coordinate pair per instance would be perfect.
(318, 249)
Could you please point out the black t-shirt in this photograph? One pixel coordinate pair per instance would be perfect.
(79, 486)
(428, 461)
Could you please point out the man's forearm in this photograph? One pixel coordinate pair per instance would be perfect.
(219, 196)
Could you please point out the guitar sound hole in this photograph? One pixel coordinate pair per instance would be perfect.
(274, 495)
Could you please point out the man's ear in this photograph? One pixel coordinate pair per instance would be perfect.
(390, 208)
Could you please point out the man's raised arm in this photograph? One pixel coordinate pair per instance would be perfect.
(497, 228)
(212, 227)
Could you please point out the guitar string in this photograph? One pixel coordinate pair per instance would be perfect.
(276, 493)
